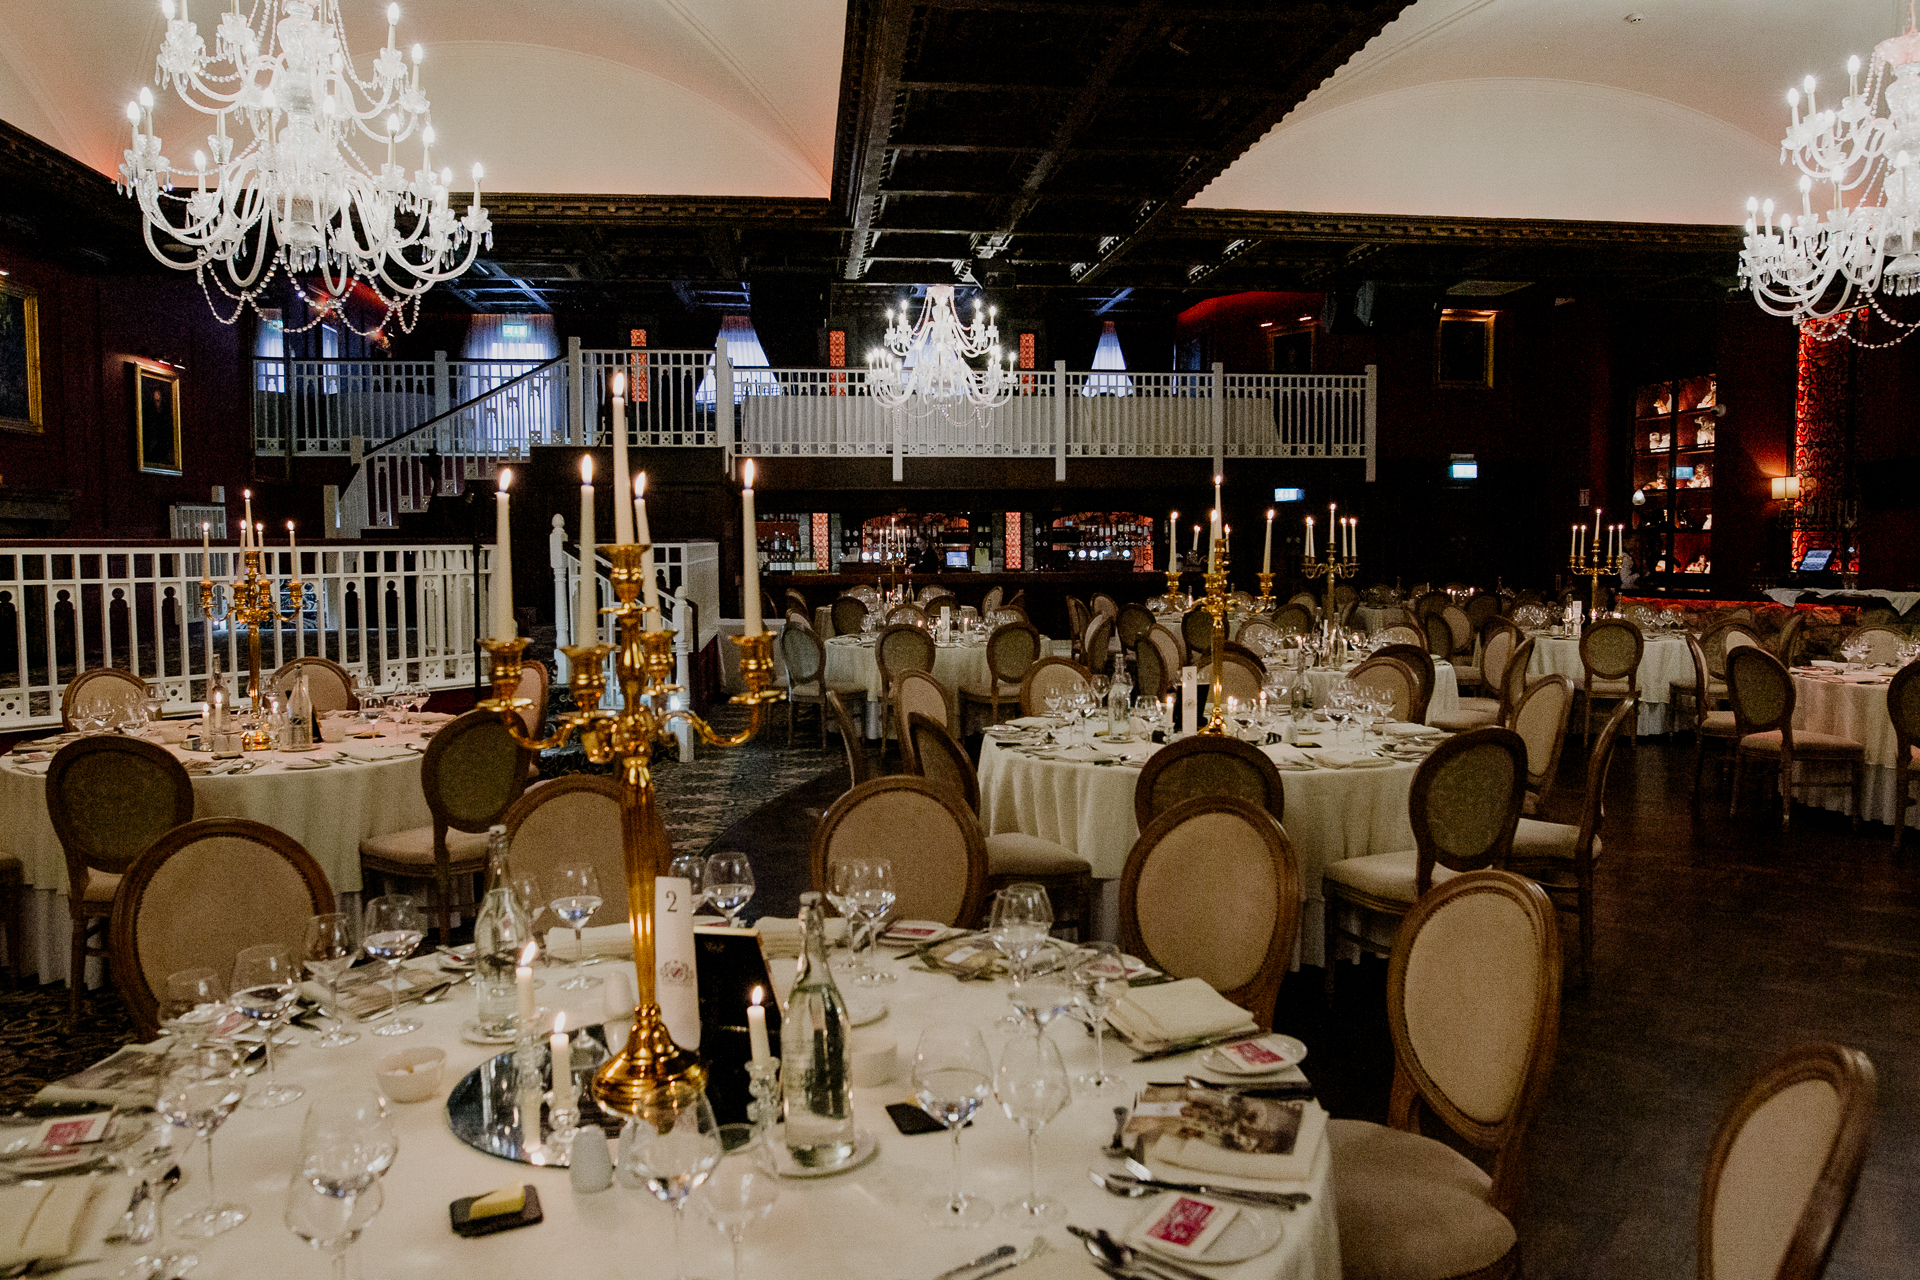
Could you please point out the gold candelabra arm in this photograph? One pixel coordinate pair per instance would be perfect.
(506, 660)
(1215, 604)
(756, 669)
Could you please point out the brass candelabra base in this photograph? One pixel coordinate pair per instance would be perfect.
(1174, 597)
(1264, 603)
(1593, 569)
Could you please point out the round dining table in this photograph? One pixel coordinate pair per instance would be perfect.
(865, 1222)
(1446, 687)
(1664, 663)
(1852, 703)
(1082, 798)
(329, 799)
(850, 660)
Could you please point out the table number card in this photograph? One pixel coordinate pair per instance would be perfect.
(676, 972)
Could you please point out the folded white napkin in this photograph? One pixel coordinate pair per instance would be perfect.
(1032, 722)
(1185, 1010)
(595, 940)
(1077, 755)
(1281, 753)
(780, 937)
(1400, 729)
(1334, 758)
(1295, 1166)
(43, 1220)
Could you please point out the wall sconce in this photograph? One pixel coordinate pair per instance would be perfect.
(1785, 488)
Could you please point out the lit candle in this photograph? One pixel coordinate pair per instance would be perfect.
(1213, 541)
(523, 986)
(1596, 531)
(757, 1029)
(622, 514)
(293, 552)
(1353, 544)
(586, 610)
(1333, 531)
(750, 564)
(1573, 543)
(1196, 541)
(649, 588)
(504, 626)
(206, 554)
(1266, 554)
(246, 528)
(560, 1051)
(1309, 537)
(1173, 540)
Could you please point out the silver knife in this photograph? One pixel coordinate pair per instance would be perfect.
(984, 1260)
(1188, 1046)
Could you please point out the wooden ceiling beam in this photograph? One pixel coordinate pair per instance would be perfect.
(876, 110)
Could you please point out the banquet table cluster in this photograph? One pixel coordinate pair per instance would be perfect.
(1664, 663)
(863, 1222)
(1851, 703)
(961, 664)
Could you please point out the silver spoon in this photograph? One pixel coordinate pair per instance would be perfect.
(1108, 1250)
(1285, 1199)
(1122, 1187)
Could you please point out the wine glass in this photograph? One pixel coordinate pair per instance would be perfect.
(692, 868)
(575, 895)
(138, 1144)
(1019, 924)
(372, 704)
(194, 1003)
(331, 945)
(739, 1194)
(329, 1223)
(265, 981)
(728, 882)
(841, 878)
(1032, 1088)
(872, 895)
(952, 1076)
(675, 1144)
(1099, 979)
(394, 927)
(153, 699)
(201, 1090)
(1040, 1000)
(1056, 700)
(347, 1142)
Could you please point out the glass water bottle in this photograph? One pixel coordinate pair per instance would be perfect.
(816, 1067)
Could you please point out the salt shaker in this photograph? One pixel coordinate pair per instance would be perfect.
(591, 1168)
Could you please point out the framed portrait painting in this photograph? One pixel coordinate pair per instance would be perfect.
(19, 358)
(1463, 349)
(156, 418)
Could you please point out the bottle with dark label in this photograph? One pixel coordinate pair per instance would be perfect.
(816, 1067)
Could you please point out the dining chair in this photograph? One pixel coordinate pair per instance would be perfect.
(1495, 653)
(859, 766)
(1345, 598)
(1784, 1163)
(795, 618)
(907, 615)
(1473, 1008)
(796, 603)
(1011, 649)
(919, 693)
(806, 662)
(108, 798)
(1559, 856)
(1463, 806)
(898, 649)
(1402, 634)
(536, 681)
(328, 683)
(1102, 603)
(1306, 600)
(1763, 698)
(1463, 632)
(99, 689)
(1207, 765)
(1293, 618)
(1517, 681)
(1196, 630)
(1132, 625)
(1728, 633)
(1610, 653)
(1395, 677)
(1481, 608)
(570, 820)
(1790, 639)
(940, 874)
(1173, 650)
(849, 614)
(1151, 679)
(1240, 678)
(471, 772)
(1439, 636)
(1048, 675)
(991, 601)
(1018, 600)
(1883, 643)
(1427, 603)
(1234, 649)
(1256, 633)
(1708, 721)
(1013, 857)
(1540, 718)
(1096, 644)
(13, 916)
(1903, 708)
(1422, 663)
(1211, 890)
(201, 894)
(1701, 678)
(1079, 618)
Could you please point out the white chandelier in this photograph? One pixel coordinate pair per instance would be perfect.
(297, 197)
(924, 369)
(1820, 264)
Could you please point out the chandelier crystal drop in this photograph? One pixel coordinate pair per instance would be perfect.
(1828, 261)
(925, 368)
(280, 186)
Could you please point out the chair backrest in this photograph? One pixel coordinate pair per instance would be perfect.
(1103, 603)
(1196, 628)
(1593, 805)
(1496, 651)
(1422, 663)
(1255, 633)
(1401, 634)
(1610, 649)
(472, 771)
(1393, 675)
(110, 797)
(1717, 639)
(796, 602)
(1760, 690)
(328, 683)
(805, 656)
(1439, 635)
(1173, 650)
(1883, 642)
(1095, 642)
(1702, 703)
(1345, 597)
(1234, 649)
(849, 614)
(1151, 678)
(202, 893)
(1132, 625)
(1011, 649)
(535, 680)
(1078, 616)
(1429, 602)
(1211, 890)
(1513, 686)
(1473, 1004)
(1046, 675)
(1903, 707)
(1540, 718)
(572, 819)
(1206, 765)
(1787, 641)
(899, 649)
(939, 874)
(1465, 801)
(931, 753)
(795, 618)
(906, 615)
(991, 600)
(920, 693)
(858, 767)
(1239, 678)
(1784, 1164)
(97, 689)
(1483, 605)
(1293, 618)
(1461, 626)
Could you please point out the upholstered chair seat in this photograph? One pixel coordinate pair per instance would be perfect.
(415, 846)
(1026, 857)
(1547, 840)
(1383, 881)
(1610, 688)
(1805, 743)
(1426, 1206)
(1473, 713)
(100, 887)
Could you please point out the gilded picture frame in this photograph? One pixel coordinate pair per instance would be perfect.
(20, 403)
(156, 418)
(1463, 350)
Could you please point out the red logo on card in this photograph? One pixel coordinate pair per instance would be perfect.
(68, 1133)
(1182, 1224)
(1257, 1055)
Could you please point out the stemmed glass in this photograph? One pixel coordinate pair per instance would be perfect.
(739, 1194)
(1032, 1088)
(201, 1090)
(692, 868)
(1021, 919)
(265, 981)
(1056, 700)
(575, 895)
(841, 878)
(394, 927)
(1099, 978)
(728, 884)
(871, 894)
(331, 1224)
(138, 1145)
(332, 944)
(1040, 1000)
(153, 699)
(346, 1143)
(675, 1144)
(194, 1003)
(952, 1076)
(372, 703)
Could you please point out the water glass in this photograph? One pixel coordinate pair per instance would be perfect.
(265, 982)
(395, 926)
(739, 1194)
(728, 884)
(193, 1004)
(1032, 1088)
(331, 1224)
(871, 893)
(574, 889)
(203, 1086)
(1099, 979)
(952, 1076)
(347, 1142)
(692, 868)
(331, 945)
(673, 1145)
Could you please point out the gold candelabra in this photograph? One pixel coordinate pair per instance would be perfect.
(1216, 603)
(643, 667)
(1174, 597)
(1594, 564)
(1333, 568)
(1265, 602)
(252, 599)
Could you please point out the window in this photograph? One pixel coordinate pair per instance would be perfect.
(743, 352)
(1108, 356)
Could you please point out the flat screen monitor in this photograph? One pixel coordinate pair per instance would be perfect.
(1816, 561)
(958, 559)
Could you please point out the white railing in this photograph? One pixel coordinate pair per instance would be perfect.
(336, 402)
(382, 611)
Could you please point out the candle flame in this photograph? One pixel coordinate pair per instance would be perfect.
(749, 483)
(560, 1023)
(640, 485)
(506, 479)
(205, 527)
(1173, 515)
(528, 954)
(758, 995)
(619, 386)
(1269, 515)
(586, 469)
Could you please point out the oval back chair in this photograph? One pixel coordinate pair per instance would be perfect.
(1610, 653)
(1394, 676)
(100, 689)
(571, 819)
(1293, 618)
(1763, 698)
(1173, 650)
(1095, 643)
(1256, 633)
(1422, 663)
(849, 614)
(1133, 624)
(1206, 765)
(1151, 679)
(902, 615)
(1883, 643)
(1439, 633)
(1903, 708)
(806, 662)
(1540, 718)
(859, 766)
(1729, 633)
(1461, 626)
(1048, 675)
(328, 683)
(1011, 649)
(1078, 618)
(1788, 640)
(920, 693)
(536, 678)
(1240, 677)
(991, 601)
(1196, 629)
(940, 874)
(1101, 602)
(1399, 633)
(1481, 607)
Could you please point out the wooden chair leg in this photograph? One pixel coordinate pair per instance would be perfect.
(1699, 757)
(1786, 790)
(1333, 939)
(76, 968)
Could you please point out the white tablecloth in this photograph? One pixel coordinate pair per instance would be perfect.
(851, 662)
(1856, 710)
(865, 1223)
(1331, 814)
(329, 811)
(1664, 661)
(1900, 600)
(1446, 687)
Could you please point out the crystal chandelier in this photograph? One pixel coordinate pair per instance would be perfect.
(296, 196)
(1821, 264)
(924, 369)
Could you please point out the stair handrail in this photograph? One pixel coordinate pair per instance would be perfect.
(462, 407)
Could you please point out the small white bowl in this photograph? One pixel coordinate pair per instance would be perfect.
(411, 1075)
